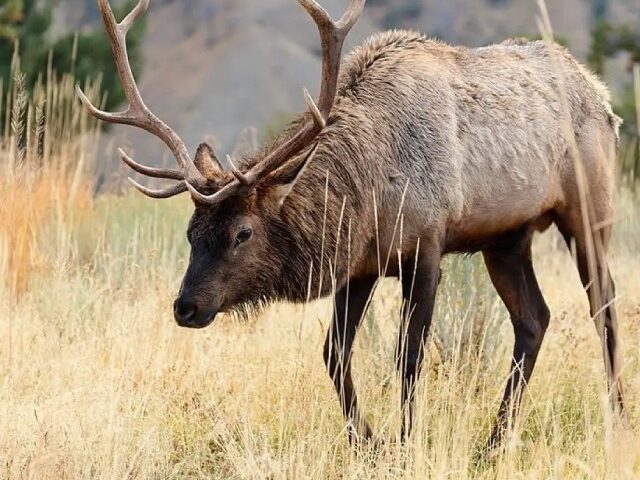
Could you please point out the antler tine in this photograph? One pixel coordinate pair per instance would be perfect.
(242, 178)
(135, 15)
(209, 199)
(137, 113)
(323, 19)
(167, 173)
(350, 17)
(108, 117)
(314, 110)
(169, 192)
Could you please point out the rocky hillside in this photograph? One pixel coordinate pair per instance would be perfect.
(216, 66)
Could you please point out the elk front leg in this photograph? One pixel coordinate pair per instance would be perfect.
(420, 279)
(511, 271)
(350, 305)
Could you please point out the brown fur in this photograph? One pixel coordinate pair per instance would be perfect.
(476, 148)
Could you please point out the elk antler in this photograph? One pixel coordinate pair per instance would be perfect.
(332, 37)
(138, 114)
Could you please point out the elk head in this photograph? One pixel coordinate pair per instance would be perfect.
(235, 227)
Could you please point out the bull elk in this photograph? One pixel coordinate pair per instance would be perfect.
(414, 150)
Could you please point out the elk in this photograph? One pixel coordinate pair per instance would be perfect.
(414, 150)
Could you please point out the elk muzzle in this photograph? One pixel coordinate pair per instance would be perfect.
(189, 314)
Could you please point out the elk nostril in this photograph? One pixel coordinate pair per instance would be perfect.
(184, 310)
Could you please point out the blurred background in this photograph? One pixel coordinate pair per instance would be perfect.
(211, 68)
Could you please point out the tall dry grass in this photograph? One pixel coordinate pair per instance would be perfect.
(96, 381)
(46, 154)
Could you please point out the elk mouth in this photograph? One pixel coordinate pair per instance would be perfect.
(199, 322)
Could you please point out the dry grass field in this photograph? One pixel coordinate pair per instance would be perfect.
(97, 381)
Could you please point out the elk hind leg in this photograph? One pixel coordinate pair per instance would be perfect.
(591, 243)
(511, 270)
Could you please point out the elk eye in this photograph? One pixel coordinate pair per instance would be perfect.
(244, 235)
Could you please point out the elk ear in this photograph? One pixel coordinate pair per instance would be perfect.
(207, 163)
(287, 177)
